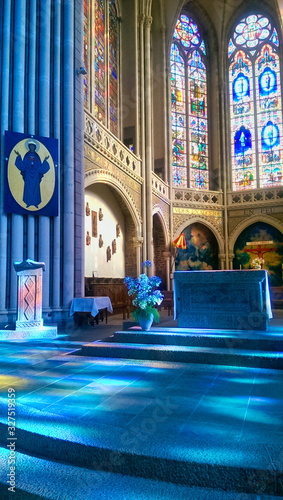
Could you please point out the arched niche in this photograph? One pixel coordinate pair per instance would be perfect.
(260, 240)
(201, 252)
(159, 247)
(110, 233)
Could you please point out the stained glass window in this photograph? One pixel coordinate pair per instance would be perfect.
(99, 61)
(189, 106)
(255, 104)
(113, 67)
(86, 61)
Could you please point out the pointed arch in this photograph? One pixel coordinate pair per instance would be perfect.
(268, 219)
(205, 222)
(189, 115)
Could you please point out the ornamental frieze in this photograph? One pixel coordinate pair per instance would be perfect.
(180, 219)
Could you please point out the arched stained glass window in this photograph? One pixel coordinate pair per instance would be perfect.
(189, 106)
(113, 67)
(255, 104)
(101, 33)
(86, 55)
(99, 61)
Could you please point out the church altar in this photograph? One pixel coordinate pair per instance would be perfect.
(233, 300)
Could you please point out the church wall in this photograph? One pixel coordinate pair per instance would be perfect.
(99, 196)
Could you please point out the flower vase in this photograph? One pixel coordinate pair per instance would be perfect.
(145, 322)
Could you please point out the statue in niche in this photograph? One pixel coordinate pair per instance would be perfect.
(100, 214)
(100, 241)
(118, 230)
(114, 247)
(87, 209)
(108, 253)
(88, 238)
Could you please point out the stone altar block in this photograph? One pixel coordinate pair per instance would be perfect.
(29, 310)
(233, 300)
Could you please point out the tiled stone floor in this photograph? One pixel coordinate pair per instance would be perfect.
(146, 401)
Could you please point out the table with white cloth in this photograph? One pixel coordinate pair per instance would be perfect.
(92, 306)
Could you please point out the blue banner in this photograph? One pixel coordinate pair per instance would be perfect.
(31, 174)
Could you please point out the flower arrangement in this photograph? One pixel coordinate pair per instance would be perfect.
(257, 263)
(146, 295)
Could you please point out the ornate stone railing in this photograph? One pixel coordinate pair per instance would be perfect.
(255, 196)
(159, 187)
(194, 196)
(97, 136)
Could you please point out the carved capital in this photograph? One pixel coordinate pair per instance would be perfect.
(138, 241)
(141, 19)
(167, 255)
(163, 29)
(148, 22)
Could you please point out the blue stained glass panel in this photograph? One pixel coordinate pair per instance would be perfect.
(241, 87)
(274, 38)
(255, 98)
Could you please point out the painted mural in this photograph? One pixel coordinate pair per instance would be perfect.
(201, 252)
(264, 242)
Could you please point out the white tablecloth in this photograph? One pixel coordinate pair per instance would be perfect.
(91, 305)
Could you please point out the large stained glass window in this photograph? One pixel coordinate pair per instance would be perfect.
(86, 55)
(99, 61)
(189, 106)
(113, 67)
(101, 30)
(255, 104)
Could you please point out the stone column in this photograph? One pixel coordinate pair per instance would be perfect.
(231, 257)
(142, 119)
(44, 130)
(5, 74)
(148, 140)
(222, 258)
(137, 89)
(68, 153)
(57, 113)
(167, 257)
(165, 100)
(31, 109)
(138, 241)
(18, 124)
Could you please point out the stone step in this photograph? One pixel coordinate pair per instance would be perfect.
(203, 338)
(184, 354)
(64, 447)
(38, 478)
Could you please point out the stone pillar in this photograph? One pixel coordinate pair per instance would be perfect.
(148, 140)
(18, 124)
(138, 241)
(31, 109)
(44, 130)
(57, 113)
(165, 100)
(5, 72)
(167, 257)
(222, 258)
(231, 257)
(68, 153)
(29, 278)
(142, 119)
(137, 89)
